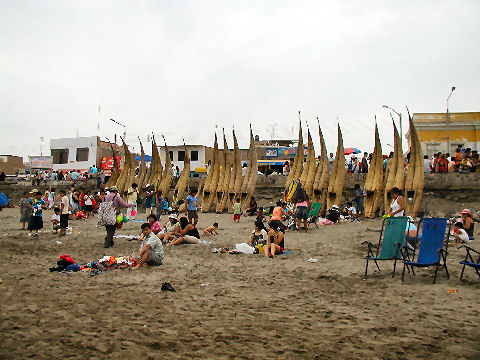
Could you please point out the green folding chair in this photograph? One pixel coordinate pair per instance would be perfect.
(390, 242)
(313, 213)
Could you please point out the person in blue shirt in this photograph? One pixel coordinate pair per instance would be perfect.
(36, 205)
(93, 169)
(191, 207)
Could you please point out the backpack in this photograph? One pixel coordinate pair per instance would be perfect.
(107, 214)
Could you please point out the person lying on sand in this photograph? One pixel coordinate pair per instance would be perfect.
(275, 241)
(151, 251)
(185, 233)
(211, 230)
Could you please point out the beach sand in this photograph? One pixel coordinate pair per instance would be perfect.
(252, 307)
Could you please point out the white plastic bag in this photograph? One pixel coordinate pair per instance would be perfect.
(244, 248)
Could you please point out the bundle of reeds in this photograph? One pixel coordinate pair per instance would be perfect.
(415, 177)
(167, 175)
(123, 178)
(374, 182)
(183, 180)
(250, 179)
(337, 177)
(297, 166)
(224, 181)
(395, 170)
(115, 173)
(235, 185)
(322, 173)
(142, 170)
(211, 182)
(308, 174)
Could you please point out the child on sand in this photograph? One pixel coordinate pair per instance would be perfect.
(154, 224)
(460, 234)
(211, 230)
(56, 220)
(237, 210)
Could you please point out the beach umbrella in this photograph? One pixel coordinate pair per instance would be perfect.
(349, 151)
(3, 199)
(148, 158)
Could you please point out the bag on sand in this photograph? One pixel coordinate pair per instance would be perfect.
(107, 215)
(244, 248)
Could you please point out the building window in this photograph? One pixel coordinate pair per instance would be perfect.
(181, 155)
(171, 155)
(194, 155)
(60, 156)
(82, 154)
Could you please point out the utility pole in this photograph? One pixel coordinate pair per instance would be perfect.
(41, 145)
(400, 120)
(447, 120)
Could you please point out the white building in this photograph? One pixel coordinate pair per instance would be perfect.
(80, 153)
(199, 155)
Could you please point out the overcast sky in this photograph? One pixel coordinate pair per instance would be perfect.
(180, 68)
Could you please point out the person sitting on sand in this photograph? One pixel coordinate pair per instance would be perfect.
(185, 233)
(252, 208)
(467, 221)
(151, 251)
(275, 241)
(260, 215)
(460, 234)
(333, 215)
(155, 225)
(278, 214)
(56, 220)
(397, 207)
(211, 230)
(259, 234)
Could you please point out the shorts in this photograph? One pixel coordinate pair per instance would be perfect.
(154, 260)
(236, 216)
(301, 213)
(88, 207)
(63, 221)
(192, 214)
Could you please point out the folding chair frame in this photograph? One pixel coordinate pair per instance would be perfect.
(468, 257)
(377, 247)
(442, 256)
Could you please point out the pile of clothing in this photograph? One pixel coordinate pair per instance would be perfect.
(66, 263)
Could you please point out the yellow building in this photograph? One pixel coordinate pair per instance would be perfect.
(439, 132)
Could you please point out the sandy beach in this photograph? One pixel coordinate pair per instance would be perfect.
(230, 306)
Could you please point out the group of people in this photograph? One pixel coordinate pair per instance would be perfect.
(31, 212)
(464, 161)
(45, 176)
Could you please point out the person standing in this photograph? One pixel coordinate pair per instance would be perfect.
(397, 207)
(118, 203)
(331, 159)
(24, 209)
(132, 196)
(427, 165)
(358, 198)
(302, 204)
(191, 208)
(36, 205)
(88, 203)
(64, 206)
(101, 178)
(148, 199)
(364, 163)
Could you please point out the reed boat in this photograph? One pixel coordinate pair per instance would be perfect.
(337, 176)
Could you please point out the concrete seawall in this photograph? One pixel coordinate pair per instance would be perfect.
(452, 187)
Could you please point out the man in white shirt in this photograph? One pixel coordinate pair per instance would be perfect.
(427, 165)
(331, 160)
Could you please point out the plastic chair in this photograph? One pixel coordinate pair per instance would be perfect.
(431, 251)
(390, 242)
(469, 261)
